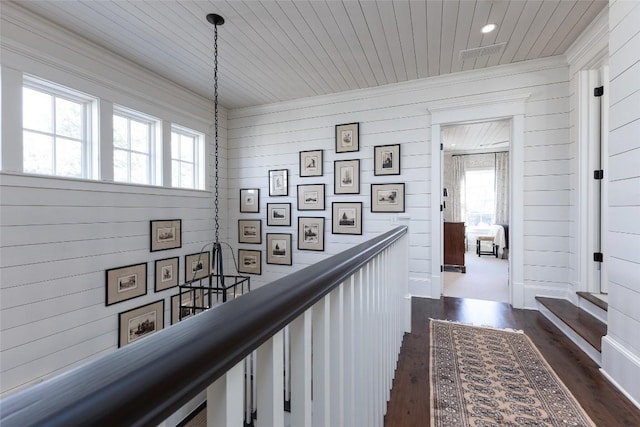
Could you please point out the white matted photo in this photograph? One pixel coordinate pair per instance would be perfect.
(196, 266)
(311, 197)
(347, 137)
(346, 217)
(311, 163)
(140, 322)
(347, 176)
(279, 214)
(279, 182)
(311, 233)
(250, 200)
(125, 283)
(387, 197)
(249, 261)
(279, 248)
(250, 231)
(166, 273)
(387, 159)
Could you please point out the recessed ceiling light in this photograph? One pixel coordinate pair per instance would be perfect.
(488, 28)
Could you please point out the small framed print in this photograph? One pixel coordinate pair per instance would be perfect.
(166, 234)
(311, 163)
(346, 177)
(311, 233)
(125, 283)
(249, 261)
(279, 214)
(250, 231)
(311, 197)
(346, 218)
(387, 197)
(279, 248)
(196, 266)
(184, 304)
(387, 159)
(140, 322)
(249, 200)
(279, 182)
(347, 137)
(167, 273)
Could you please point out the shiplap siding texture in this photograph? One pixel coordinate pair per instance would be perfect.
(59, 236)
(621, 346)
(270, 137)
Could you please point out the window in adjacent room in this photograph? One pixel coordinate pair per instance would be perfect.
(187, 158)
(480, 195)
(56, 130)
(134, 147)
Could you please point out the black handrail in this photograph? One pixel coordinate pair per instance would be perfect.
(142, 384)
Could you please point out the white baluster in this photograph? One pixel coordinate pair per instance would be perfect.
(321, 358)
(300, 335)
(225, 398)
(270, 382)
(337, 357)
(349, 351)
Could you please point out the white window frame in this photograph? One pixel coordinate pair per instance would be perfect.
(199, 164)
(478, 169)
(89, 113)
(154, 174)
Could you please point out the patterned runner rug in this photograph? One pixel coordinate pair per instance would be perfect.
(494, 377)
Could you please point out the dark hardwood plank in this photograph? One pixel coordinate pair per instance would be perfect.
(409, 404)
(584, 324)
(594, 300)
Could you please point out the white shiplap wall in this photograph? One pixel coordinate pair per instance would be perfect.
(621, 346)
(58, 236)
(271, 137)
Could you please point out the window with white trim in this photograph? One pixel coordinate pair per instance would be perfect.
(187, 158)
(56, 130)
(479, 204)
(135, 158)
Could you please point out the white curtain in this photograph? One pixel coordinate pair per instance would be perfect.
(456, 192)
(502, 188)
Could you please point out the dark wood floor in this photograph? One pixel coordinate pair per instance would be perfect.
(409, 404)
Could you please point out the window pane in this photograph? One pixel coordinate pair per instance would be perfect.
(36, 110)
(186, 175)
(120, 134)
(68, 118)
(175, 173)
(480, 197)
(68, 157)
(186, 149)
(120, 165)
(37, 153)
(139, 168)
(139, 136)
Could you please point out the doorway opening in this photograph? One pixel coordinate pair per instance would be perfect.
(476, 206)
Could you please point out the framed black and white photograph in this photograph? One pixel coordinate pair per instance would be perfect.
(346, 218)
(250, 200)
(124, 283)
(311, 197)
(279, 214)
(166, 234)
(279, 182)
(311, 163)
(347, 137)
(387, 197)
(346, 177)
(250, 231)
(387, 159)
(249, 261)
(166, 273)
(311, 233)
(279, 248)
(140, 322)
(186, 304)
(196, 266)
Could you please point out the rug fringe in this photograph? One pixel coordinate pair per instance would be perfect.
(519, 331)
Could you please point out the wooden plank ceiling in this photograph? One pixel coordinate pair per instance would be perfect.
(272, 51)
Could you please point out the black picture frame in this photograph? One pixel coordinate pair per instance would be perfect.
(311, 197)
(386, 159)
(125, 283)
(140, 322)
(388, 197)
(346, 176)
(279, 182)
(347, 137)
(311, 163)
(250, 261)
(165, 234)
(250, 200)
(311, 233)
(250, 231)
(198, 263)
(279, 249)
(346, 218)
(167, 272)
(279, 214)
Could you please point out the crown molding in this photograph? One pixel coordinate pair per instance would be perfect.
(592, 45)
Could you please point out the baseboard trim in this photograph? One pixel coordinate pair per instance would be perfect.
(625, 377)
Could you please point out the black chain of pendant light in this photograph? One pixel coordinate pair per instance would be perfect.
(216, 20)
